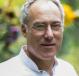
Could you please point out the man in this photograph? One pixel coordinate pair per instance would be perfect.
(42, 26)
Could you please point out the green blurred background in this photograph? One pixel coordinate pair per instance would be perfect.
(11, 38)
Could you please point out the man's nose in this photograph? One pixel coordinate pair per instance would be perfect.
(49, 33)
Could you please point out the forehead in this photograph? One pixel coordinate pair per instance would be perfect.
(44, 9)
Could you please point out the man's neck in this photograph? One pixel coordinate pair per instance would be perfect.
(45, 65)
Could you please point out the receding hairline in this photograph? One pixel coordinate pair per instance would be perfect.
(42, 5)
(45, 6)
(24, 19)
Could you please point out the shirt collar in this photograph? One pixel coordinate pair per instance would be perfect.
(30, 63)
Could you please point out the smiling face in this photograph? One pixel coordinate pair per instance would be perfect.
(45, 33)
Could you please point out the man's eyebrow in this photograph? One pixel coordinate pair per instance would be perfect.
(56, 22)
(39, 22)
(44, 22)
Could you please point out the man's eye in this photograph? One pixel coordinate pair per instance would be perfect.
(56, 26)
(39, 27)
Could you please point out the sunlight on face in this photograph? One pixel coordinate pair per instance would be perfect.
(45, 36)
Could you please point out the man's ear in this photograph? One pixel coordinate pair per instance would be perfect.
(24, 29)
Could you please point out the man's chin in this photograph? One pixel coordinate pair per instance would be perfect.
(47, 56)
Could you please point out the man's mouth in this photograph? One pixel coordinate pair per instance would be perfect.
(48, 45)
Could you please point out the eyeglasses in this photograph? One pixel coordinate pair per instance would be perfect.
(56, 26)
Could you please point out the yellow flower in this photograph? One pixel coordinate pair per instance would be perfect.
(69, 14)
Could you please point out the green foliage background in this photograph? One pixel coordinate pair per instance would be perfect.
(70, 47)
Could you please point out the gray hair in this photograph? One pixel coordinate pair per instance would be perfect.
(25, 11)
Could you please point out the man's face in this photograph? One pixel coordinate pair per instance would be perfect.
(45, 33)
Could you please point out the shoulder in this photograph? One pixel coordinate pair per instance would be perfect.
(6, 66)
(9, 64)
(10, 61)
(64, 63)
(66, 67)
(12, 67)
(15, 67)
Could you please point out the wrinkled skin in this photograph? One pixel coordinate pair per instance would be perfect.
(44, 44)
